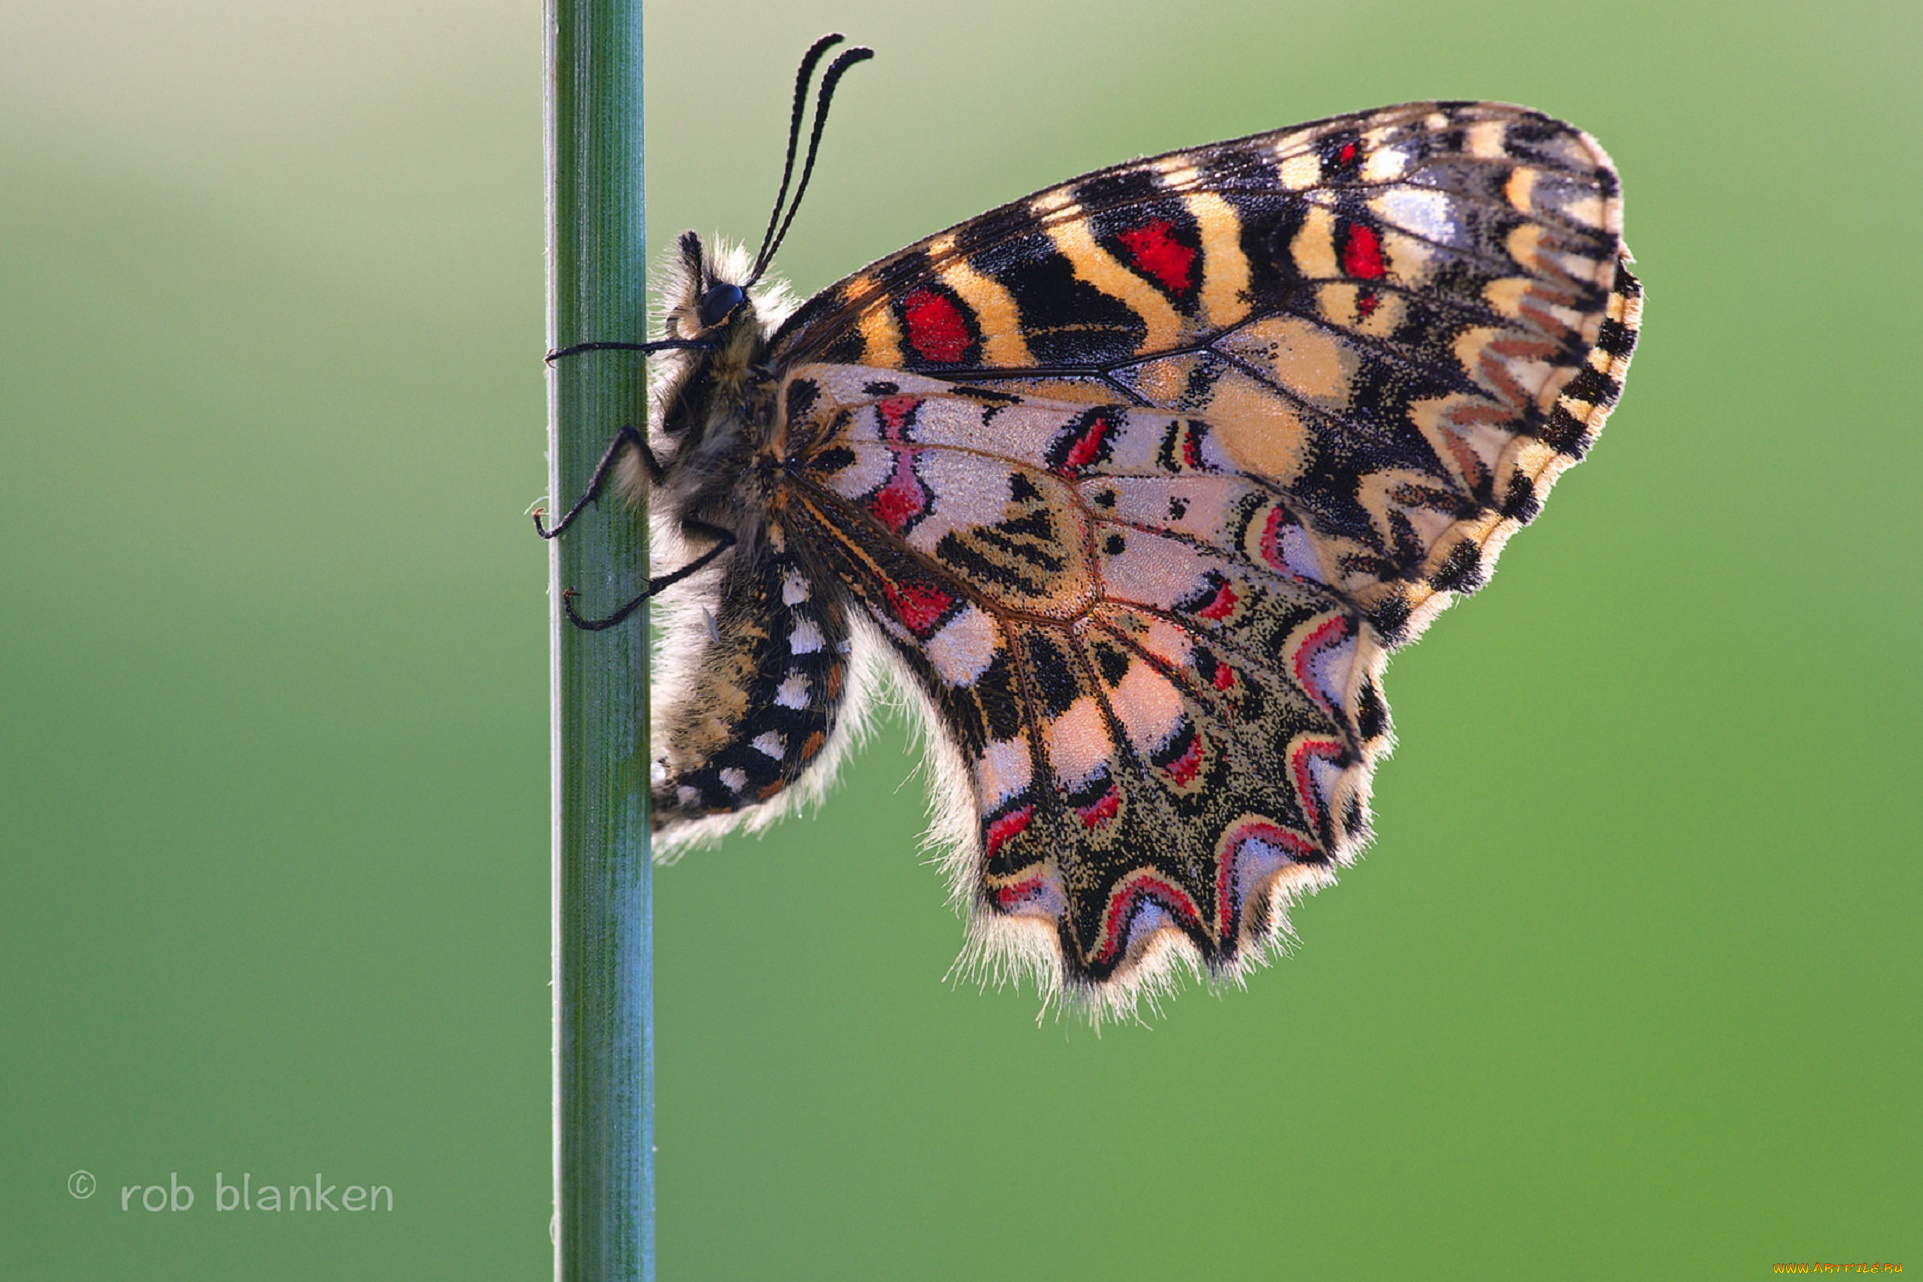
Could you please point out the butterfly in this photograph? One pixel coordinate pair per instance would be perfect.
(1134, 485)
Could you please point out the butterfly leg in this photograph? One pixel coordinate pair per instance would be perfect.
(659, 345)
(724, 539)
(626, 438)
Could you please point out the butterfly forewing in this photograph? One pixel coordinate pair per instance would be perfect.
(1144, 476)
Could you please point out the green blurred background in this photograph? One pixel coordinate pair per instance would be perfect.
(1629, 986)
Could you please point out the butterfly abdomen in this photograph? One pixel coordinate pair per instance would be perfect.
(762, 700)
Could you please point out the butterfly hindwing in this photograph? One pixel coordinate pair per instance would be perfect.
(1130, 642)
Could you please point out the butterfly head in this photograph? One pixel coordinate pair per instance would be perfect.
(709, 300)
(710, 394)
(721, 301)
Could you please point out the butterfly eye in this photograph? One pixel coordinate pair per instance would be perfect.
(718, 303)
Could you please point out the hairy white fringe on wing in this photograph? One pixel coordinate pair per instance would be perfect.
(1003, 951)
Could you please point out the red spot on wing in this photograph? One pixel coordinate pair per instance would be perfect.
(1346, 155)
(917, 605)
(1100, 812)
(1004, 829)
(1366, 304)
(896, 505)
(1088, 446)
(936, 329)
(896, 413)
(1185, 767)
(1121, 906)
(1159, 255)
(904, 497)
(1271, 835)
(1301, 763)
(1224, 676)
(1221, 605)
(1330, 634)
(1191, 449)
(1362, 253)
(1008, 896)
(1270, 543)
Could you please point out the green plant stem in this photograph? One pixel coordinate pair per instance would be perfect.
(603, 923)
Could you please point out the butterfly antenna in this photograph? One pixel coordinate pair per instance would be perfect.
(836, 70)
(809, 61)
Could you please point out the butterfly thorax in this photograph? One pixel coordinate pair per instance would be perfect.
(716, 410)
